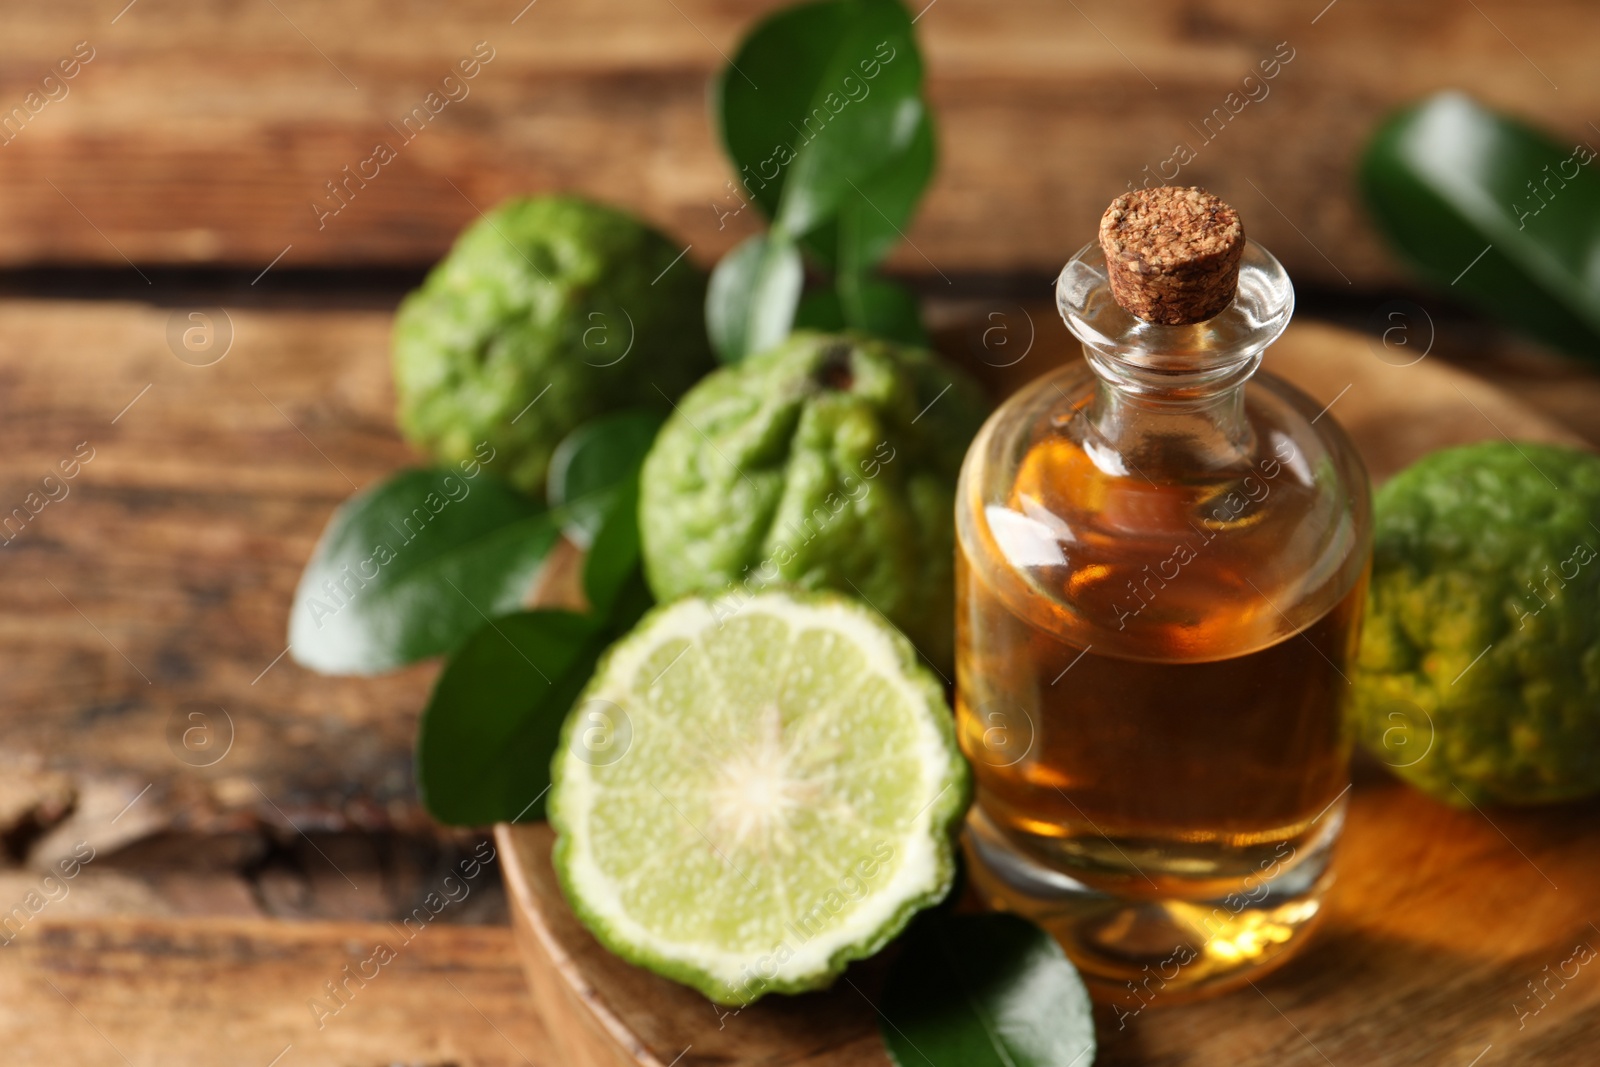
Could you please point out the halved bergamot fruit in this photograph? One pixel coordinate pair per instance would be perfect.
(756, 790)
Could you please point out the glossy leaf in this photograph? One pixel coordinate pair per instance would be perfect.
(1495, 211)
(594, 481)
(489, 731)
(988, 990)
(769, 83)
(820, 310)
(410, 568)
(820, 97)
(613, 557)
(873, 218)
(491, 727)
(591, 461)
(754, 291)
(860, 138)
(882, 308)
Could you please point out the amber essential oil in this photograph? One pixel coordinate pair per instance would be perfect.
(1161, 564)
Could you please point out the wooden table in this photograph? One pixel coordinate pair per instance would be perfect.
(160, 585)
(142, 992)
(185, 159)
(205, 133)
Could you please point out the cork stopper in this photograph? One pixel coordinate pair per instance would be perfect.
(1172, 254)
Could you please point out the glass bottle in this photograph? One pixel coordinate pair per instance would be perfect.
(1161, 562)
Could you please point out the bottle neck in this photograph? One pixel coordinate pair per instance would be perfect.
(1192, 433)
(1173, 395)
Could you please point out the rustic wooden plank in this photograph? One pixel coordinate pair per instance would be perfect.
(160, 584)
(184, 993)
(205, 132)
(156, 584)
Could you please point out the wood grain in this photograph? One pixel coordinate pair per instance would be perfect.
(602, 1012)
(1438, 921)
(204, 132)
(160, 584)
(186, 993)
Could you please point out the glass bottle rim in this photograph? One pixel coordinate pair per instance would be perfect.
(1257, 315)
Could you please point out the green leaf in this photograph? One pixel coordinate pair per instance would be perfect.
(879, 209)
(873, 217)
(985, 991)
(1495, 211)
(754, 290)
(818, 98)
(614, 555)
(594, 481)
(882, 308)
(491, 727)
(410, 568)
(770, 83)
(820, 310)
(593, 460)
(633, 598)
(489, 731)
(857, 140)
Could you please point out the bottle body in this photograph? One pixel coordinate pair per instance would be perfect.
(1161, 565)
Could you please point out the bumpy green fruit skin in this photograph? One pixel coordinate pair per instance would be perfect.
(828, 462)
(1486, 547)
(544, 293)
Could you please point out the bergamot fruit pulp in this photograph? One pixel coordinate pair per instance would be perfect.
(753, 792)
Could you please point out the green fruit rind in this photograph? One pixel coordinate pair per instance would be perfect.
(828, 462)
(923, 848)
(547, 312)
(1478, 679)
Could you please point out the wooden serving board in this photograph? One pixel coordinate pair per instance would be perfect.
(1439, 921)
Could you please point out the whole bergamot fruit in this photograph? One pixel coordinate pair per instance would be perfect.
(547, 312)
(1479, 673)
(828, 462)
